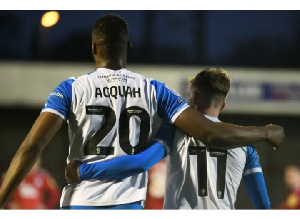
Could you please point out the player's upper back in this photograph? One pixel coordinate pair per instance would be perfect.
(108, 108)
(117, 90)
(126, 101)
(120, 89)
(205, 178)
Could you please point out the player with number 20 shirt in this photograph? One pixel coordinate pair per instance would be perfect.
(118, 115)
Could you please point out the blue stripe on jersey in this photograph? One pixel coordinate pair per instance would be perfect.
(168, 101)
(136, 205)
(61, 97)
(252, 159)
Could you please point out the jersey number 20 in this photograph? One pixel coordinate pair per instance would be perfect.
(92, 148)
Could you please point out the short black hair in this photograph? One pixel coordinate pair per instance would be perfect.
(110, 29)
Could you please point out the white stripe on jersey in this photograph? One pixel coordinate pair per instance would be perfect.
(253, 170)
(55, 112)
(110, 114)
(186, 186)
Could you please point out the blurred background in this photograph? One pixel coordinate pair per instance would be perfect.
(259, 48)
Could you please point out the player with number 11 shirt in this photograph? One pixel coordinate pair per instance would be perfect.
(113, 112)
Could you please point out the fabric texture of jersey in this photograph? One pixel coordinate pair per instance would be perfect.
(110, 114)
(198, 178)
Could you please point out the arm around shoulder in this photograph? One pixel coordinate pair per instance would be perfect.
(119, 167)
(227, 135)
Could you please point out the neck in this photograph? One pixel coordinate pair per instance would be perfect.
(109, 65)
(113, 64)
(211, 112)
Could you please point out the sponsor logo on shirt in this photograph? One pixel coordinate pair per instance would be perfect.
(94, 110)
(116, 77)
(217, 153)
(180, 100)
(57, 94)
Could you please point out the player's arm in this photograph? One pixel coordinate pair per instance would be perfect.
(213, 134)
(126, 165)
(216, 134)
(42, 131)
(53, 115)
(120, 167)
(254, 181)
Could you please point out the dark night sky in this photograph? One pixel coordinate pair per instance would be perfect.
(264, 38)
(268, 36)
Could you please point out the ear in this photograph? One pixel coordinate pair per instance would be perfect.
(223, 106)
(94, 49)
(129, 46)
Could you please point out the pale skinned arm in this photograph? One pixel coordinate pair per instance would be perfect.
(213, 134)
(42, 131)
(216, 134)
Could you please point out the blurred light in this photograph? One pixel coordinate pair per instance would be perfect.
(50, 18)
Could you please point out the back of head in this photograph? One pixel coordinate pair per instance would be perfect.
(213, 84)
(110, 32)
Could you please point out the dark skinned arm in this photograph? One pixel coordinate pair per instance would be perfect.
(42, 131)
(216, 134)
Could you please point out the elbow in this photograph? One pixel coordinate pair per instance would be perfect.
(217, 140)
(30, 149)
(210, 139)
(224, 136)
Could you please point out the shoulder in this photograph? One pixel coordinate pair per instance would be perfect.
(163, 89)
(66, 83)
(252, 158)
(250, 149)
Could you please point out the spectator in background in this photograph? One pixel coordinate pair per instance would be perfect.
(292, 180)
(38, 190)
(156, 186)
(98, 105)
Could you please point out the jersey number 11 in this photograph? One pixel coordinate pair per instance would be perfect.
(201, 154)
